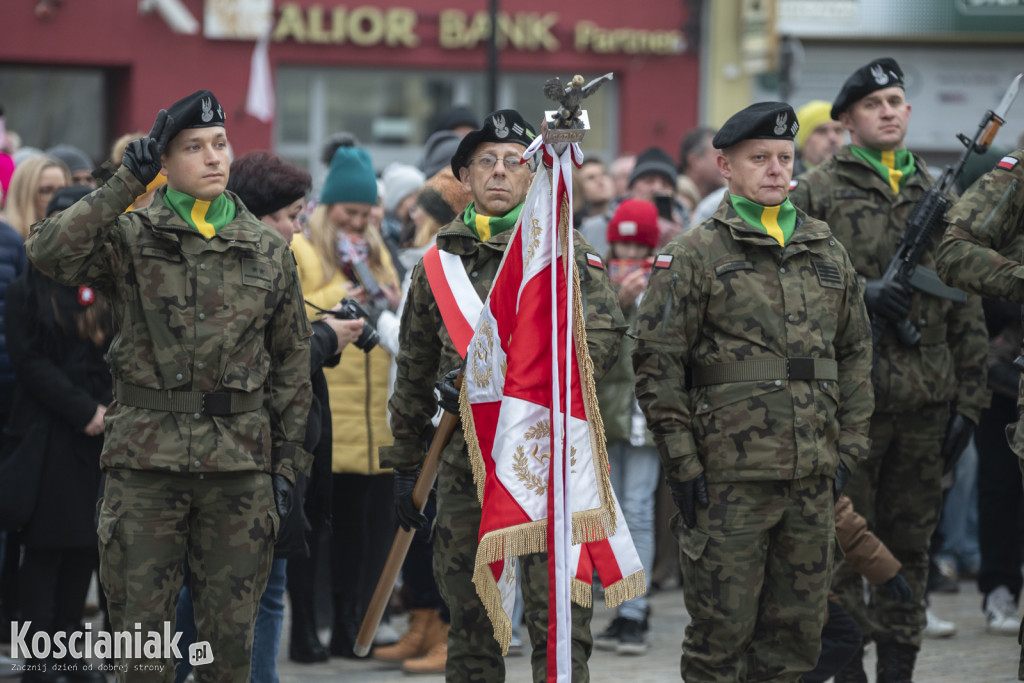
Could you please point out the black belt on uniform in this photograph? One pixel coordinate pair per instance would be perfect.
(766, 370)
(210, 403)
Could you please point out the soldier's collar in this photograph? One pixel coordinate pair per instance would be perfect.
(458, 238)
(166, 220)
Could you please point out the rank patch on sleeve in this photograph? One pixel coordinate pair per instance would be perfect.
(663, 261)
(595, 261)
(828, 275)
(1007, 163)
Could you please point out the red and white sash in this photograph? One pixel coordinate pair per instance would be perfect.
(458, 302)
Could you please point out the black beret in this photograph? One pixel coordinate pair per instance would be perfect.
(199, 110)
(504, 125)
(881, 73)
(759, 121)
(65, 197)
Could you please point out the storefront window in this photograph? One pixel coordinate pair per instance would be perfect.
(392, 112)
(47, 106)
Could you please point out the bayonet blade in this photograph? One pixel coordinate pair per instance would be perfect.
(1008, 98)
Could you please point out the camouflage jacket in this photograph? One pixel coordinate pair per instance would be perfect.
(426, 351)
(983, 248)
(192, 314)
(723, 292)
(862, 211)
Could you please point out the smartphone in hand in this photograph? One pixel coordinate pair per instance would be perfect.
(619, 268)
(664, 204)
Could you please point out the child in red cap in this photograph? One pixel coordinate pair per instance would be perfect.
(632, 238)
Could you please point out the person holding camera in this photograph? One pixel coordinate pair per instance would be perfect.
(203, 440)
(344, 256)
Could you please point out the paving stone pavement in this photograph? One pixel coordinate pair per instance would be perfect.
(971, 656)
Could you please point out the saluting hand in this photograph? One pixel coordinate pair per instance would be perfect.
(142, 156)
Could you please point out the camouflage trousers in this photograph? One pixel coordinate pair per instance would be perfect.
(225, 524)
(898, 490)
(473, 653)
(755, 580)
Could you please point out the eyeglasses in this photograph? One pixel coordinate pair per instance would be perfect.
(511, 164)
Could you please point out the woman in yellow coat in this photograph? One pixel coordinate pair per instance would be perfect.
(342, 253)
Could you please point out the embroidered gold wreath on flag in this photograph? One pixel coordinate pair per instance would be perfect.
(536, 483)
(531, 249)
(481, 359)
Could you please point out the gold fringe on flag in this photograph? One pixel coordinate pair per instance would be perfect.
(581, 593)
(599, 449)
(476, 457)
(490, 596)
(522, 539)
(632, 586)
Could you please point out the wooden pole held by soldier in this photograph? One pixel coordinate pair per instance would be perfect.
(403, 537)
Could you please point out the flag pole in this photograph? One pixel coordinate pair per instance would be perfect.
(403, 537)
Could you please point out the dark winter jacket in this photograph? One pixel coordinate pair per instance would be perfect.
(12, 263)
(63, 378)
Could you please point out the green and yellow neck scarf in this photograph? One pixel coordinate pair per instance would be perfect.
(894, 165)
(206, 217)
(778, 221)
(486, 227)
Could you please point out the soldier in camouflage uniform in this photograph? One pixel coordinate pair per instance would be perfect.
(212, 389)
(487, 163)
(929, 395)
(983, 253)
(752, 359)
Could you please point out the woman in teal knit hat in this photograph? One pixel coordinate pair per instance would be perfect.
(343, 245)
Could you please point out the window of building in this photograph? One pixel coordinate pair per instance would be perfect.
(391, 112)
(47, 106)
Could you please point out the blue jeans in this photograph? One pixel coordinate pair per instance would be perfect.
(960, 514)
(266, 637)
(634, 477)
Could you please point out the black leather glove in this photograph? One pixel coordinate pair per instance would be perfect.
(142, 156)
(687, 494)
(898, 589)
(283, 490)
(958, 435)
(841, 480)
(449, 400)
(409, 516)
(888, 299)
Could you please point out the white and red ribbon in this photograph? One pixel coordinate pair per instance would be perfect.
(457, 301)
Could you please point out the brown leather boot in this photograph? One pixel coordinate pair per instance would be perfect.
(434, 661)
(422, 633)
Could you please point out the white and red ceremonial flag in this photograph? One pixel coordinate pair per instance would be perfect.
(542, 471)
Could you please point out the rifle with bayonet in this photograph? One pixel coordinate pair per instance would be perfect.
(927, 217)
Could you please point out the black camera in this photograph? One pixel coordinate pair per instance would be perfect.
(351, 310)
